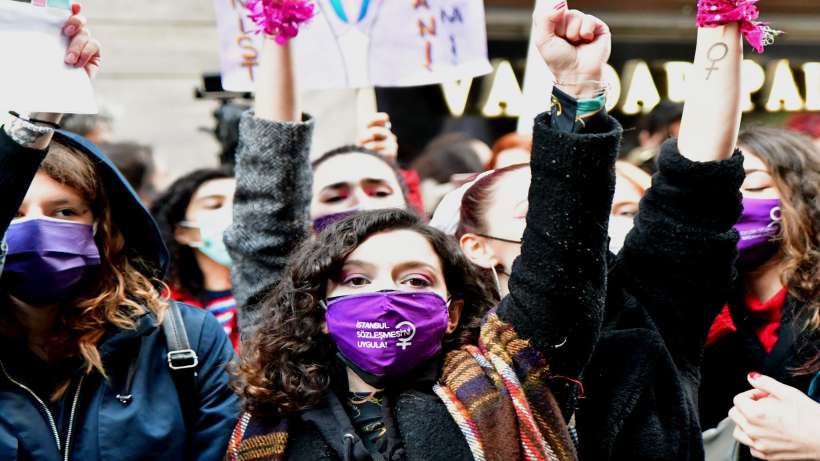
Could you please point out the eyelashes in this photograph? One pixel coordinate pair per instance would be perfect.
(354, 279)
(415, 280)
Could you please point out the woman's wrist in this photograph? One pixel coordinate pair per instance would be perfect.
(28, 134)
(580, 86)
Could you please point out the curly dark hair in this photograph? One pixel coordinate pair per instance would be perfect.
(287, 366)
(169, 210)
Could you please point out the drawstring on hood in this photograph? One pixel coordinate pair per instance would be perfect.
(125, 397)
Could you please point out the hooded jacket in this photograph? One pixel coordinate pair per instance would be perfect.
(135, 412)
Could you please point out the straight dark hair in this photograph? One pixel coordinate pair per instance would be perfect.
(169, 209)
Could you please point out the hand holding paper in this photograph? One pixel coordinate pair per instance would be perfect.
(574, 45)
(48, 58)
(83, 51)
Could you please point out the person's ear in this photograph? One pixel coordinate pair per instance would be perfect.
(478, 251)
(186, 235)
(454, 315)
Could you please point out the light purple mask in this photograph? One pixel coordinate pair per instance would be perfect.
(47, 259)
(388, 333)
(759, 224)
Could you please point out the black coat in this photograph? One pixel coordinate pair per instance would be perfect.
(665, 289)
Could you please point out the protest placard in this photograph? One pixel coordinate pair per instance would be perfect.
(365, 43)
(34, 76)
(537, 86)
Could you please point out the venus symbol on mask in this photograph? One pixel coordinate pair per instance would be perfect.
(404, 342)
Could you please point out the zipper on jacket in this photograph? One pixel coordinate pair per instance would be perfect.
(42, 405)
(71, 418)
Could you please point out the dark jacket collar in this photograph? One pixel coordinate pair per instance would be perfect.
(119, 341)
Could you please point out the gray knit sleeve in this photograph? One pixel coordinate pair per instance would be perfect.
(271, 204)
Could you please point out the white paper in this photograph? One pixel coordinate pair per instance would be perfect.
(537, 87)
(364, 43)
(34, 77)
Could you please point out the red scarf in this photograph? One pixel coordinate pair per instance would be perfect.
(765, 318)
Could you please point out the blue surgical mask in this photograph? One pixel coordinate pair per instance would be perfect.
(212, 227)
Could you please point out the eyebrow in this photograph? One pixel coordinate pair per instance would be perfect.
(375, 181)
(211, 196)
(413, 264)
(356, 262)
(367, 181)
(335, 186)
(400, 267)
(64, 201)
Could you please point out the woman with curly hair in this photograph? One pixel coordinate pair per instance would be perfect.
(193, 214)
(84, 362)
(771, 324)
(379, 341)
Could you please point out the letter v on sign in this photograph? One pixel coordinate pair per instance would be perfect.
(456, 94)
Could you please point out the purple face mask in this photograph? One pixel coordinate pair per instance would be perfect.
(758, 225)
(388, 333)
(321, 223)
(47, 259)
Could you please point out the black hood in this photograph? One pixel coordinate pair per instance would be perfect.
(142, 237)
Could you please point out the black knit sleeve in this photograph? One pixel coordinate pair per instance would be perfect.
(18, 165)
(558, 284)
(678, 261)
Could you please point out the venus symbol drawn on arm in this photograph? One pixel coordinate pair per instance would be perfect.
(710, 55)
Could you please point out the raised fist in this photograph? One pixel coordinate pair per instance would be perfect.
(574, 45)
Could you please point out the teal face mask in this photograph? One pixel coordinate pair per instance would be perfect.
(212, 227)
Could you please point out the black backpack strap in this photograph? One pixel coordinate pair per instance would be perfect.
(183, 362)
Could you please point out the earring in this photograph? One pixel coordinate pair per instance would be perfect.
(497, 283)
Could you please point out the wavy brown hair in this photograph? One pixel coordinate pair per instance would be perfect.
(287, 366)
(117, 293)
(794, 164)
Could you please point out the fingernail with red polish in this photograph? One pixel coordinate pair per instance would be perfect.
(754, 375)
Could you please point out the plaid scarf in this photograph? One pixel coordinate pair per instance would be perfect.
(496, 392)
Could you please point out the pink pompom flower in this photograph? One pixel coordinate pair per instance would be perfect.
(712, 13)
(280, 19)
